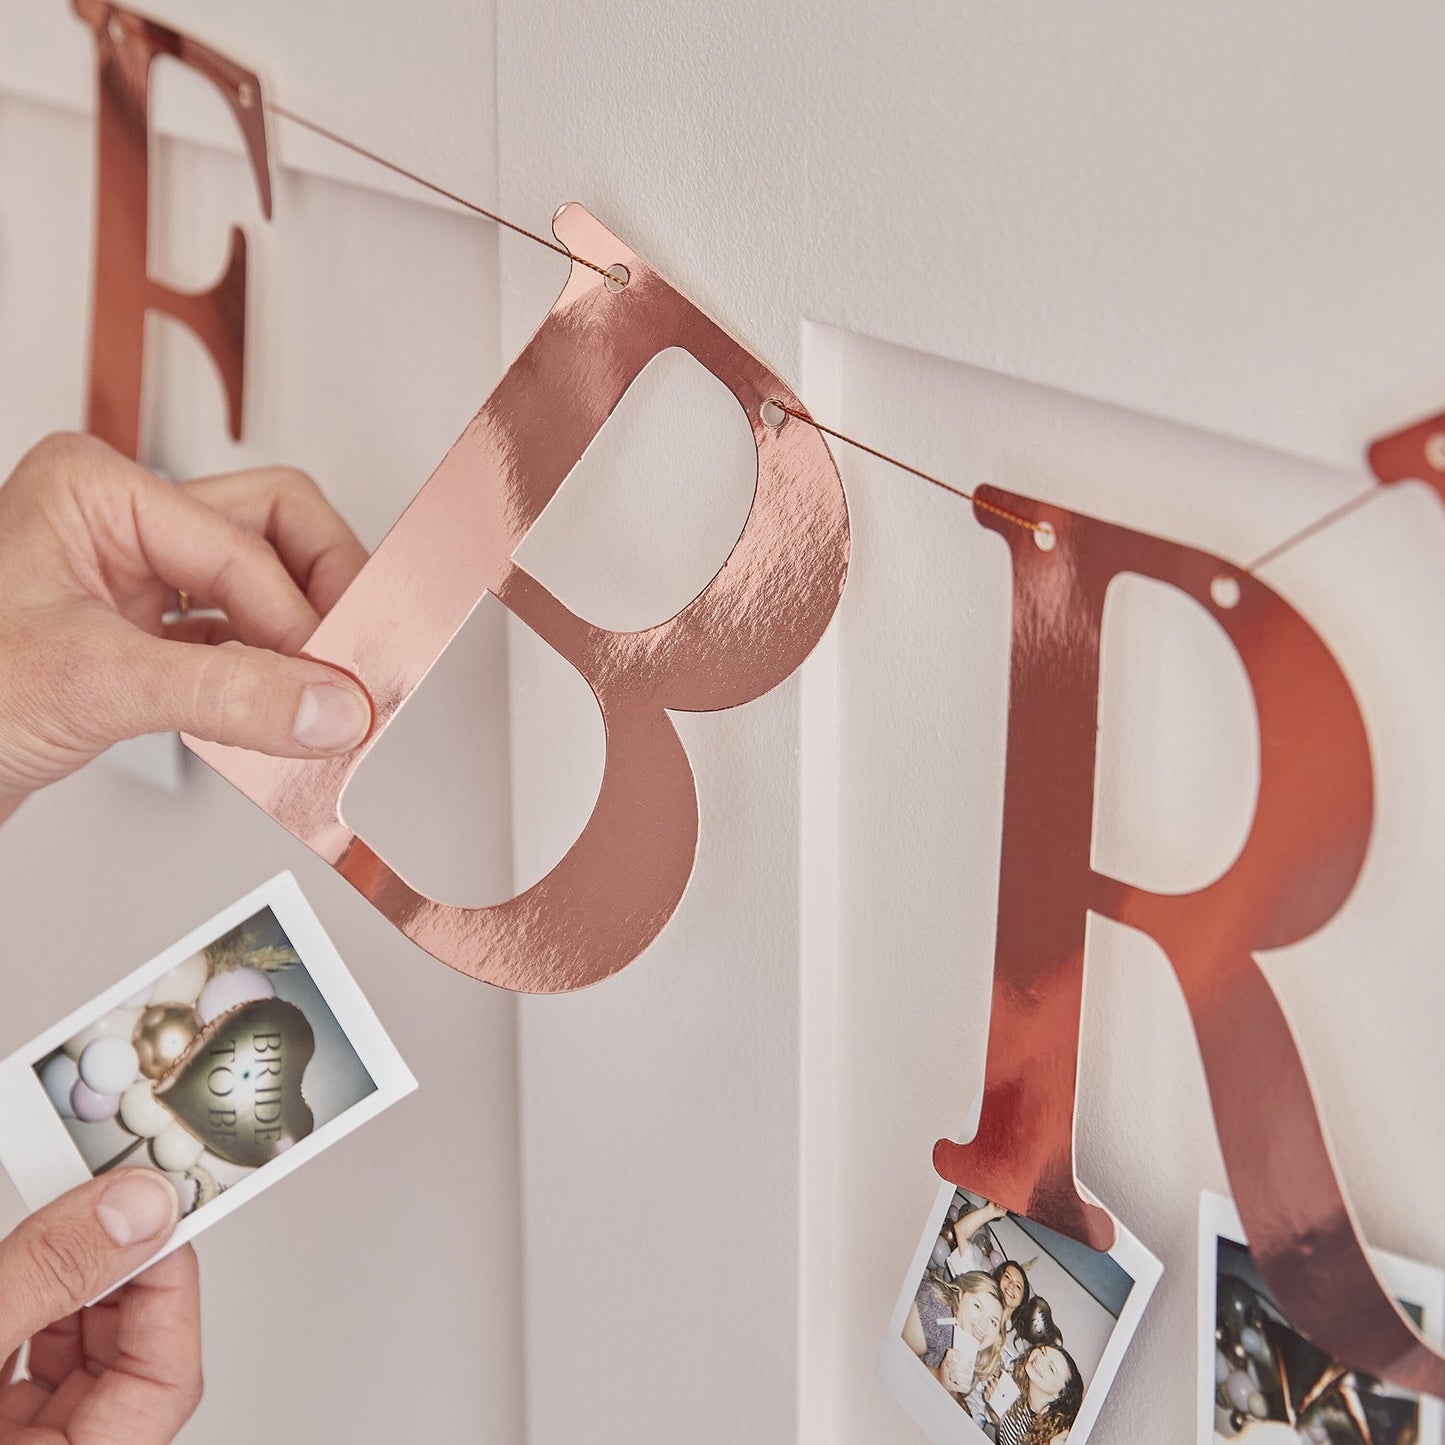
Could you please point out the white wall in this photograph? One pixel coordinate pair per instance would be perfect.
(1168, 264)
(381, 1285)
(951, 221)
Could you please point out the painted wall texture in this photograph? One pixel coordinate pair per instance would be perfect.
(1168, 265)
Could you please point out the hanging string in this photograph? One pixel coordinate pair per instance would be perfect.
(356, 149)
(979, 502)
(1337, 514)
(1313, 529)
(399, 170)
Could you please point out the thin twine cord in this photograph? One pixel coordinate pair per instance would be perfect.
(357, 149)
(1315, 527)
(1336, 514)
(914, 472)
(400, 170)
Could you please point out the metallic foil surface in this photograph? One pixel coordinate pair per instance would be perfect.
(752, 626)
(1305, 848)
(126, 47)
(1415, 454)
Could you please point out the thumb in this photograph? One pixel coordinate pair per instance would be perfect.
(245, 697)
(75, 1249)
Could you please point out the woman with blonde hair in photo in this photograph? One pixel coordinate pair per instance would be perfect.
(1051, 1389)
(973, 1303)
(969, 1252)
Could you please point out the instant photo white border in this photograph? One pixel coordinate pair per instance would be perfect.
(1418, 1284)
(934, 1410)
(37, 1151)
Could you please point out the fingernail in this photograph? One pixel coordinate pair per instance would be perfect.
(137, 1207)
(331, 718)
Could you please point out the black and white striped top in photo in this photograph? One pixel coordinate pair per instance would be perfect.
(1013, 1429)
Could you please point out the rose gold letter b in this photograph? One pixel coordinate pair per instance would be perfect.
(750, 628)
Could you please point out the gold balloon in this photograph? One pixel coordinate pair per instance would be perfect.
(162, 1034)
(238, 1086)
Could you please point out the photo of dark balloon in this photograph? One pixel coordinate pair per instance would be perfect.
(1268, 1375)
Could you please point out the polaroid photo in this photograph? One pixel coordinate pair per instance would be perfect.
(1260, 1380)
(1005, 1331)
(225, 1063)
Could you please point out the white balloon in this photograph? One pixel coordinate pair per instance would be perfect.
(119, 1023)
(91, 1107)
(230, 989)
(109, 1065)
(183, 984)
(142, 1113)
(175, 1149)
(59, 1076)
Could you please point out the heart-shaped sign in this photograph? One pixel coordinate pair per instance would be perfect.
(237, 1087)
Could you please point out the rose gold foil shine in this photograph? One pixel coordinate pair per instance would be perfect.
(127, 45)
(1416, 453)
(751, 627)
(1308, 840)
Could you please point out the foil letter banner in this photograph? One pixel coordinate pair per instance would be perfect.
(1307, 842)
(1415, 454)
(127, 47)
(751, 627)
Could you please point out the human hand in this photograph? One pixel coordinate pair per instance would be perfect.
(126, 1371)
(93, 550)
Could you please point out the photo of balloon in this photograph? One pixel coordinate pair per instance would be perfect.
(217, 1069)
(162, 1036)
(238, 1087)
(1262, 1380)
(235, 1057)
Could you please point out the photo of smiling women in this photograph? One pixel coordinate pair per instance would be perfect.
(1007, 1332)
(1047, 1393)
(957, 1331)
